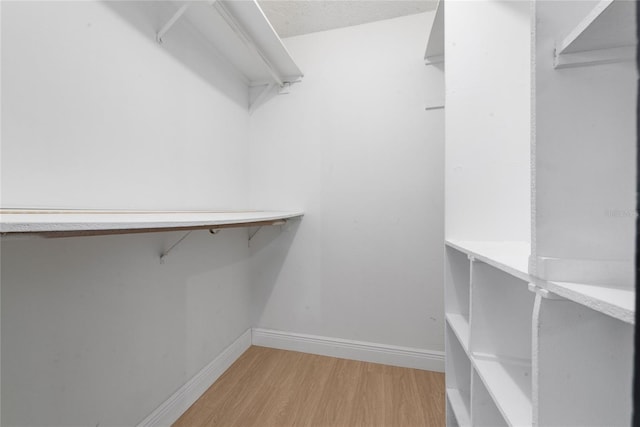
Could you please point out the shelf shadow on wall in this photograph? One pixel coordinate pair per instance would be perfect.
(185, 44)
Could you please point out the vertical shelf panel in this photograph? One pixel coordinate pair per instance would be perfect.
(457, 291)
(501, 339)
(458, 379)
(583, 365)
(501, 309)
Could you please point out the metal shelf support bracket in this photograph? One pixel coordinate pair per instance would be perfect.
(171, 21)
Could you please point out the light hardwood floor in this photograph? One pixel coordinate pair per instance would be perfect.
(269, 387)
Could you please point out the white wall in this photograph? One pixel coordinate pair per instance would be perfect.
(487, 50)
(95, 114)
(353, 146)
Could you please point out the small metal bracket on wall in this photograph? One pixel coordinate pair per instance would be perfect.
(171, 21)
(251, 234)
(164, 255)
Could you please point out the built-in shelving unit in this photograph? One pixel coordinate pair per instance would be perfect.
(61, 222)
(240, 32)
(434, 54)
(607, 34)
(545, 326)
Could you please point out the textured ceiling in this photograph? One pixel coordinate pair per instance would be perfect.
(295, 17)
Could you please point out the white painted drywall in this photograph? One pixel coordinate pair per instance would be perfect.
(95, 114)
(487, 50)
(353, 146)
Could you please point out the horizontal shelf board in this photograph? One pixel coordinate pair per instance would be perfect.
(434, 52)
(510, 257)
(510, 386)
(460, 327)
(610, 24)
(96, 221)
(617, 303)
(460, 406)
(240, 32)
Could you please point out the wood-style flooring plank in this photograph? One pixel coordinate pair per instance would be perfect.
(268, 387)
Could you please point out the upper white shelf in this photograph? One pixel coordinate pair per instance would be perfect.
(434, 53)
(510, 257)
(90, 222)
(241, 33)
(607, 34)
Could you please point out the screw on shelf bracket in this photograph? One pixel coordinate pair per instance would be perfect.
(164, 255)
(171, 21)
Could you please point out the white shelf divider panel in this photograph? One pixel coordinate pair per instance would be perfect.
(510, 257)
(582, 366)
(484, 412)
(457, 284)
(458, 378)
(434, 54)
(59, 223)
(607, 34)
(500, 341)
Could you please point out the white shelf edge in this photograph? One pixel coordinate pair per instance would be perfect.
(502, 387)
(486, 252)
(594, 57)
(616, 303)
(42, 221)
(460, 327)
(434, 52)
(458, 407)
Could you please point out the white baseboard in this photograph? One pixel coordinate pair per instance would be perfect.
(169, 411)
(406, 357)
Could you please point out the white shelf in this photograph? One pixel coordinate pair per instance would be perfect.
(240, 32)
(607, 34)
(460, 327)
(617, 303)
(434, 54)
(77, 222)
(509, 384)
(459, 408)
(510, 257)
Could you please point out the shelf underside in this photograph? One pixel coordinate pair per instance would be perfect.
(61, 223)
